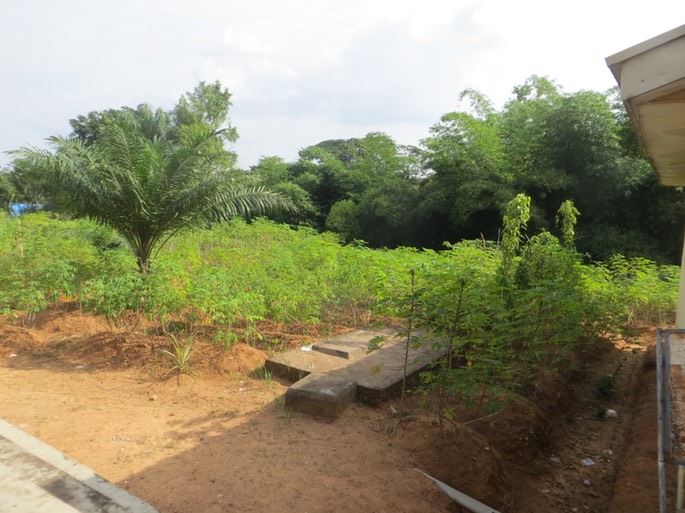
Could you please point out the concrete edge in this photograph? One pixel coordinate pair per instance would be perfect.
(73, 469)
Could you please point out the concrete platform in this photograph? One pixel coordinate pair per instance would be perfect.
(327, 355)
(323, 395)
(36, 478)
(333, 365)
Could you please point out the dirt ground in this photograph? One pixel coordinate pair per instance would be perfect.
(222, 441)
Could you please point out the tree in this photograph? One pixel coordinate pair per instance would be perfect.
(342, 219)
(528, 154)
(274, 173)
(386, 207)
(148, 177)
(87, 128)
(324, 172)
(386, 213)
(363, 188)
(467, 186)
(582, 147)
(7, 190)
(208, 104)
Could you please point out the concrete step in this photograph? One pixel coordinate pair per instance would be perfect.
(325, 356)
(324, 373)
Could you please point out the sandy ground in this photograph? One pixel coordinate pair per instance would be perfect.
(222, 441)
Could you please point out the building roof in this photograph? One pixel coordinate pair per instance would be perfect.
(651, 76)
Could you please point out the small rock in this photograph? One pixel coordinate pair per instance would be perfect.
(80, 367)
(153, 397)
(587, 482)
(555, 459)
(241, 389)
(611, 414)
(587, 462)
(13, 355)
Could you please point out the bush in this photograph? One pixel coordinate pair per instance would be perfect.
(44, 260)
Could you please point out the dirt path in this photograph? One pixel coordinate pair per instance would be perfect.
(223, 441)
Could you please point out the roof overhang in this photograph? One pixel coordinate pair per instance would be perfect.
(651, 76)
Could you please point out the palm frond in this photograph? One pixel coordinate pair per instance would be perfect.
(147, 181)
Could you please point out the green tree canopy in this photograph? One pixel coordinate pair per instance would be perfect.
(277, 175)
(363, 188)
(467, 185)
(147, 176)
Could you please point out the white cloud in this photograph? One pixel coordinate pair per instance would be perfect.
(302, 71)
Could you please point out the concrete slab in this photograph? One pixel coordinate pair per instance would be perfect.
(325, 356)
(322, 395)
(345, 359)
(353, 345)
(36, 478)
(297, 364)
(379, 375)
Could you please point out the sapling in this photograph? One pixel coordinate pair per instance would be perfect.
(180, 356)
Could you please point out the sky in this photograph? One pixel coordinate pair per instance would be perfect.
(302, 71)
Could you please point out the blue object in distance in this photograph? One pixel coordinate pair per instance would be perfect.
(20, 208)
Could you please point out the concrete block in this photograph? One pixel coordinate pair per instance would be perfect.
(339, 351)
(321, 395)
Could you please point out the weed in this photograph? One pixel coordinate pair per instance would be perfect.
(275, 346)
(287, 414)
(225, 338)
(264, 374)
(604, 388)
(180, 356)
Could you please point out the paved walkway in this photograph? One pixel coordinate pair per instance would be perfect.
(36, 478)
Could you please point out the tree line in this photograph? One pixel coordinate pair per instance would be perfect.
(548, 144)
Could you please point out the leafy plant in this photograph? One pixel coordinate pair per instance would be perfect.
(180, 355)
(225, 338)
(264, 374)
(148, 174)
(567, 216)
(604, 388)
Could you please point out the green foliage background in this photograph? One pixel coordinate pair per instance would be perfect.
(562, 234)
(507, 319)
(239, 271)
(544, 142)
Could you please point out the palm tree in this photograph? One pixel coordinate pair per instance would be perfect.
(148, 178)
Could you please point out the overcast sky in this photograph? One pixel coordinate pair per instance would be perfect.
(302, 71)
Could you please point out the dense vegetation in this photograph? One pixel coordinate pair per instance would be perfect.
(549, 212)
(550, 145)
(148, 173)
(509, 311)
